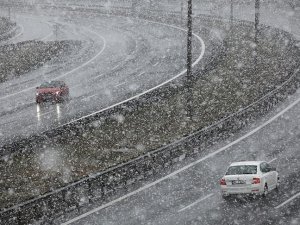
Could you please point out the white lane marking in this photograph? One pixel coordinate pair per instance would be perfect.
(272, 160)
(14, 37)
(100, 75)
(44, 114)
(69, 72)
(151, 89)
(125, 60)
(141, 74)
(18, 35)
(47, 36)
(117, 66)
(210, 155)
(89, 61)
(22, 29)
(155, 64)
(288, 201)
(118, 85)
(196, 202)
(77, 85)
(88, 97)
(24, 90)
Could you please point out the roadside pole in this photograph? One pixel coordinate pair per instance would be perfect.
(189, 39)
(256, 30)
(189, 60)
(257, 15)
(181, 11)
(231, 11)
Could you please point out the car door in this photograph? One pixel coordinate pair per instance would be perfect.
(269, 175)
(273, 176)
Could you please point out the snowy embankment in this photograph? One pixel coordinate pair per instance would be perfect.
(18, 59)
(7, 28)
(5, 25)
(236, 90)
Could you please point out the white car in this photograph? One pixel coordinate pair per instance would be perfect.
(249, 177)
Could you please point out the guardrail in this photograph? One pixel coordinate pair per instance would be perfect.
(18, 143)
(102, 186)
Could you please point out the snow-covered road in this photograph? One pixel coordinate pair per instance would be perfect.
(117, 61)
(190, 193)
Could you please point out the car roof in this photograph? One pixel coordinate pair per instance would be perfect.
(246, 163)
(54, 83)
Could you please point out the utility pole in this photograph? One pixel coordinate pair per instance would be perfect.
(133, 6)
(189, 39)
(256, 30)
(189, 58)
(257, 15)
(9, 12)
(181, 11)
(231, 11)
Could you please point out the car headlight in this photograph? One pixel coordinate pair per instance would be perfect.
(36, 94)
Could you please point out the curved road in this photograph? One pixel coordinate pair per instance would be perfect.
(119, 59)
(190, 193)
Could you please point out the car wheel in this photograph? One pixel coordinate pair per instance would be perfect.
(59, 99)
(266, 191)
(226, 197)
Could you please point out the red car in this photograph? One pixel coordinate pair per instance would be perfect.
(54, 91)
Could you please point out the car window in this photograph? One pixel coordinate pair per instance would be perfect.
(56, 84)
(52, 84)
(45, 85)
(265, 167)
(242, 169)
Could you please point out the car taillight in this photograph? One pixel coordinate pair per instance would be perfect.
(256, 180)
(222, 182)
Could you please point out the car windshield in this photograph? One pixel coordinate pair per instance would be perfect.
(52, 84)
(243, 169)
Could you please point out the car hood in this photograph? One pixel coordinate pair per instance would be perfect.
(47, 90)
